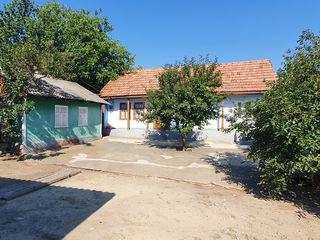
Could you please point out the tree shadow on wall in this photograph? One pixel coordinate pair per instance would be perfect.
(43, 136)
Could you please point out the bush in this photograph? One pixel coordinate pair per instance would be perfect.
(285, 124)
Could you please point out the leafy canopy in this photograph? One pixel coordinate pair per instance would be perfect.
(285, 124)
(17, 61)
(56, 41)
(186, 97)
(76, 46)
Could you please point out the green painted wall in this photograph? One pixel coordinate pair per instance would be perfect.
(40, 122)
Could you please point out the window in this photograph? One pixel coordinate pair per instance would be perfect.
(138, 110)
(61, 116)
(238, 108)
(123, 111)
(83, 117)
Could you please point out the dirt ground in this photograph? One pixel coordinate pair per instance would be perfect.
(12, 171)
(96, 205)
(166, 199)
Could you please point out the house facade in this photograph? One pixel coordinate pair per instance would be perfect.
(64, 113)
(241, 82)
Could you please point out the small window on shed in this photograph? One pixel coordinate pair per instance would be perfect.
(61, 116)
(83, 117)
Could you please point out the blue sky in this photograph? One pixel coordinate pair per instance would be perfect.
(163, 31)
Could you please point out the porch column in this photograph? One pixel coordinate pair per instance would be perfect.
(128, 113)
(222, 114)
(147, 109)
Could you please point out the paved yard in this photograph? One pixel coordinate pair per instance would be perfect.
(201, 165)
(152, 193)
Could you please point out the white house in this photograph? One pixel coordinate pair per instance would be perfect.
(241, 82)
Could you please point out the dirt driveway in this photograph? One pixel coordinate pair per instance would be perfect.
(97, 205)
(153, 193)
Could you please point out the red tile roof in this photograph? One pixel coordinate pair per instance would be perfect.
(237, 78)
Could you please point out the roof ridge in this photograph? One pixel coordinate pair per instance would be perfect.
(246, 61)
(224, 63)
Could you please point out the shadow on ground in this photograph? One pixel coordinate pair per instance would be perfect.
(171, 140)
(246, 174)
(42, 155)
(173, 144)
(50, 213)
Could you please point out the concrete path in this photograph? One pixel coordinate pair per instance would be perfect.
(203, 165)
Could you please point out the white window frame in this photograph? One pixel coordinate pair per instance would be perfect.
(80, 123)
(60, 115)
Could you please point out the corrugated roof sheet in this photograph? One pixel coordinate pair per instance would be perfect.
(50, 87)
(237, 77)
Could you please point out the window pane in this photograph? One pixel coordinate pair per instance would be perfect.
(83, 116)
(123, 106)
(61, 116)
(139, 105)
(123, 114)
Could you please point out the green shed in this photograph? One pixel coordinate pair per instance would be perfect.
(64, 113)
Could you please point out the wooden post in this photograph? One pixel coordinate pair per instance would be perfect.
(222, 114)
(128, 113)
(147, 109)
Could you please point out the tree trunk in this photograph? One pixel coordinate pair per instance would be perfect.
(183, 143)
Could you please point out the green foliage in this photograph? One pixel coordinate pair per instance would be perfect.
(76, 46)
(17, 60)
(186, 97)
(56, 41)
(285, 124)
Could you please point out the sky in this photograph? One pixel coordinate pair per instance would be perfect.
(158, 32)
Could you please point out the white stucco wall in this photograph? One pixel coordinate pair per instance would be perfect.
(214, 124)
(114, 115)
(232, 100)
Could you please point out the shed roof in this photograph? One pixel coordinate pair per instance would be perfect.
(57, 88)
(237, 78)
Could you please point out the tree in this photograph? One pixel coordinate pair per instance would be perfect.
(285, 124)
(17, 61)
(76, 46)
(56, 41)
(186, 97)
